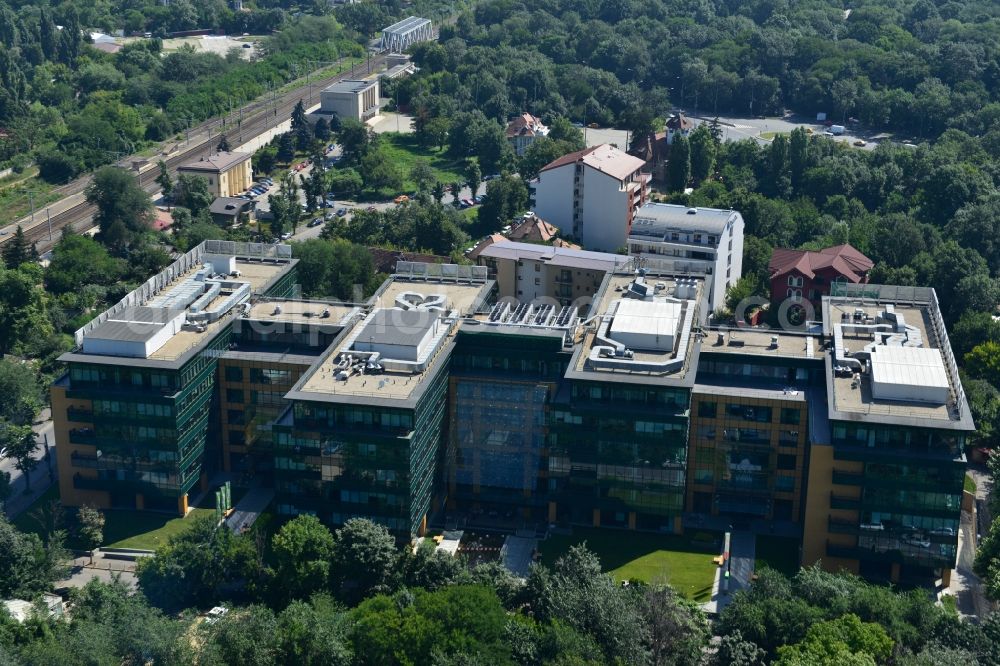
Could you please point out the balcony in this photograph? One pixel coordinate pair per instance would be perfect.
(564, 279)
(840, 526)
(79, 414)
(82, 436)
(841, 502)
(848, 478)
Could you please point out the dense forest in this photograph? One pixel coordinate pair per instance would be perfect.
(913, 66)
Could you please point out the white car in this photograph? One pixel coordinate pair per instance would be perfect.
(216, 614)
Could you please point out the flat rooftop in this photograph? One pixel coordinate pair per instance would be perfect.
(404, 323)
(852, 396)
(765, 342)
(353, 87)
(302, 312)
(674, 363)
(657, 220)
(259, 275)
(159, 307)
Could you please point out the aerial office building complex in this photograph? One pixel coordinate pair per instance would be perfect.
(134, 414)
(438, 401)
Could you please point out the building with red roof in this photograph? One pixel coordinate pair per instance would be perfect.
(592, 195)
(803, 275)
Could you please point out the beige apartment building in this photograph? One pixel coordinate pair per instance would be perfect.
(228, 174)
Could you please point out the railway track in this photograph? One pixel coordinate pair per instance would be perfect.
(260, 116)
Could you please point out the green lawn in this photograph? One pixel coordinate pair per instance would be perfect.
(139, 529)
(676, 560)
(404, 150)
(779, 553)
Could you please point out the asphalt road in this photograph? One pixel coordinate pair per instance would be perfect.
(41, 476)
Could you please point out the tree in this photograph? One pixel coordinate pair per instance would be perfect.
(17, 250)
(379, 172)
(27, 567)
(435, 132)
(363, 556)
(561, 129)
(80, 260)
(703, 148)
(437, 192)
(422, 174)
(197, 565)
(322, 130)
(845, 640)
(734, 651)
(983, 362)
(18, 442)
(473, 176)
(678, 631)
(578, 593)
(314, 633)
(246, 636)
(345, 183)
(223, 145)
(192, 193)
(6, 489)
(408, 628)
(302, 551)
(354, 138)
(506, 198)
(124, 210)
(164, 180)
(91, 527)
(679, 165)
(286, 147)
(300, 127)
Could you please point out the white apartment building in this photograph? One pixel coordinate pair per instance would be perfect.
(694, 241)
(592, 194)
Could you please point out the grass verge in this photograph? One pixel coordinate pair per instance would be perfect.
(970, 485)
(653, 558)
(15, 203)
(122, 528)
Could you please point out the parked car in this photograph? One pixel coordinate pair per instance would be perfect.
(478, 199)
(341, 212)
(860, 144)
(318, 221)
(371, 209)
(286, 235)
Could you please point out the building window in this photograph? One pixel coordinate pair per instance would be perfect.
(234, 373)
(790, 416)
(786, 461)
(707, 409)
(794, 281)
(697, 238)
(235, 395)
(537, 268)
(712, 240)
(538, 281)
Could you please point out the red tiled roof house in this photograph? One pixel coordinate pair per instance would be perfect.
(806, 275)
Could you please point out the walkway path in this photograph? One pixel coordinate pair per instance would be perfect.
(248, 509)
(742, 554)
